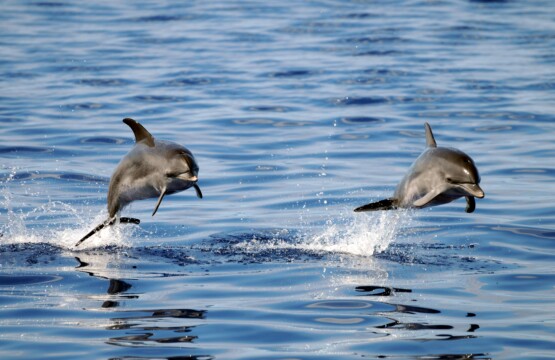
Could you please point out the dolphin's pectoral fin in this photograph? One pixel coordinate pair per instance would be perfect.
(162, 194)
(141, 134)
(427, 198)
(197, 189)
(470, 204)
(386, 204)
(108, 222)
(430, 141)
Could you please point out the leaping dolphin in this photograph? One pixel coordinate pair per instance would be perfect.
(438, 176)
(152, 169)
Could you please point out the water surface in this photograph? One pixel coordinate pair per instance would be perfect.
(297, 113)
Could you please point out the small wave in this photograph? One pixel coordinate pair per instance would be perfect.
(85, 106)
(361, 120)
(269, 108)
(194, 81)
(50, 4)
(103, 82)
(158, 99)
(19, 280)
(375, 40)
(24, 149)
(48, 175)
(159, 18)
(103, 140)
(361, 15)
(366, 100)
(378, 53)
(290, 73)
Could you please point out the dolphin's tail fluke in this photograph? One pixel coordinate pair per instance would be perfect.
(387, 204)
(110, 221)
(96, 229)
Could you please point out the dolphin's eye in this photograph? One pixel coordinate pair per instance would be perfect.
(449, 180)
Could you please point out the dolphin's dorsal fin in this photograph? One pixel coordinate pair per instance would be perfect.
(430, 141)
(141, 134)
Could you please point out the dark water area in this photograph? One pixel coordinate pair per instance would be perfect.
(297, 112)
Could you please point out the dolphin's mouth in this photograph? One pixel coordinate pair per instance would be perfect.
(473, 189)
(186, 176)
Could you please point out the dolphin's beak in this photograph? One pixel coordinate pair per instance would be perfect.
(474, 190)
(187, 177)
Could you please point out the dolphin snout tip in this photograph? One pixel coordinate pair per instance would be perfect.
(473, 190)
(193, 178)
(479, 193)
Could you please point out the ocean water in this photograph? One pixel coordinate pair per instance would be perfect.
(297, 112)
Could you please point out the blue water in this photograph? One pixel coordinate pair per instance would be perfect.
(297, 112)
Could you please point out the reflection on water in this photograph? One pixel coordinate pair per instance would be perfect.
(117, 287)
(141, 327)
(154, 326)
(136, 297)
(380, 290)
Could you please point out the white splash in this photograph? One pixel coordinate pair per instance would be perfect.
(17, 231)
(360, 234)
(354, 234)
(66, 225)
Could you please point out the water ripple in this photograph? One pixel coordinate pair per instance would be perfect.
(104, 82)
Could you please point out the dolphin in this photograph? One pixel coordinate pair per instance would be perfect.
(152, 169)
(438, 176)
